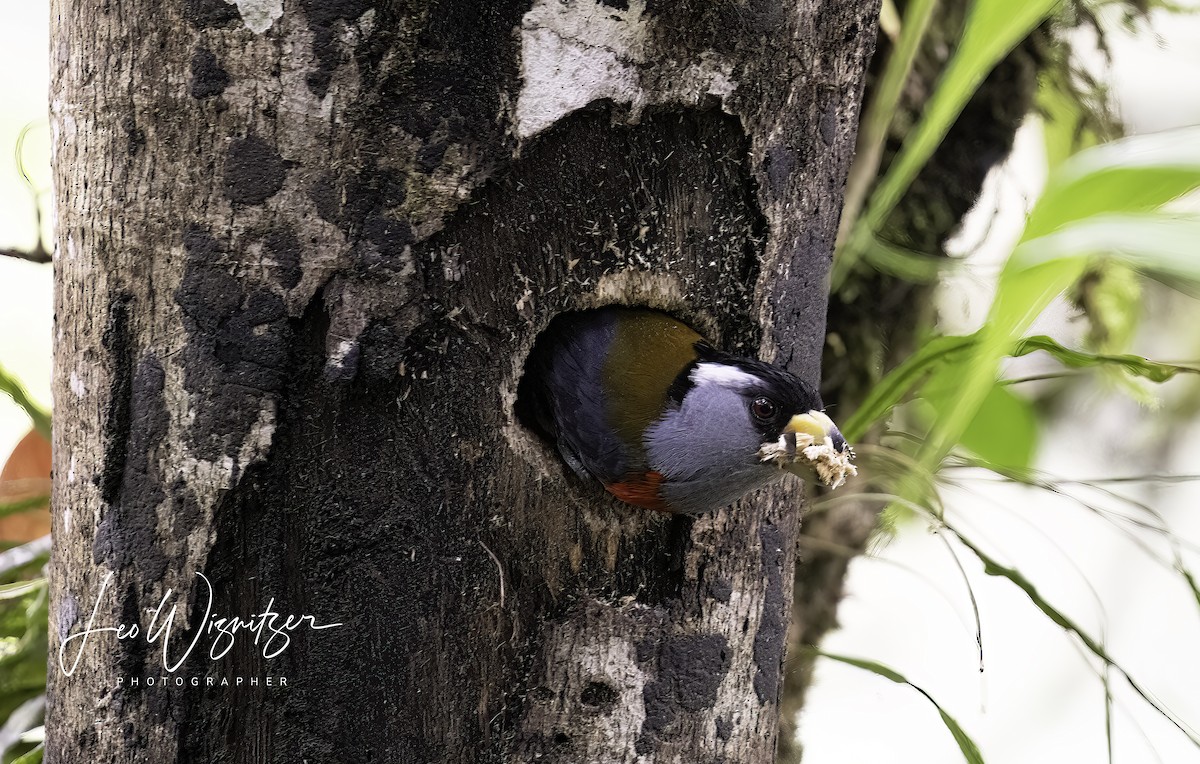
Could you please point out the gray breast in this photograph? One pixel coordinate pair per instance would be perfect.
(707, 450)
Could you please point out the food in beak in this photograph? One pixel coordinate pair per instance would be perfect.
(812, 442)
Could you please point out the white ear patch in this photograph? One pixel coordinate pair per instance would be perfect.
(720, 374)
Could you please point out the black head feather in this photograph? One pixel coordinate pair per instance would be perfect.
(790, 394)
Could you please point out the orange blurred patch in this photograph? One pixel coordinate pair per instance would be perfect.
(641, 491)
(26, 475)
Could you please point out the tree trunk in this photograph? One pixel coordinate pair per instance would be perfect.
(302, 251)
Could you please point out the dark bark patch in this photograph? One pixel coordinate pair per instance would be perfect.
(389, 233)
(254, 171)
(286, 254)
(584, 162)
(382, 352)
(370, 198)
(322, 15)
(132, 658)
(185, 510)
(689, 673)
(654, 571)
(828, 126)
(780, 164)
(346, 500)
(128, 530)
(771, 638)
(644, 745)
(720, 24)
(436, 81)
(763, 16)
(237, 353)
(324, 195)
(241, 530)
(724, 728)
(117, 342)
(720, 589)
(208, 77)
(599, 695)
(210, 13)
(325, 12)
(325, 50)
(135, 137)
(429, 156)
(425, 348)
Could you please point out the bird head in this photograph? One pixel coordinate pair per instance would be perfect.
(735, 424)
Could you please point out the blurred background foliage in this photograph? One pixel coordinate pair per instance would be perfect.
(24, 419)
(940, 405)
(943, 407)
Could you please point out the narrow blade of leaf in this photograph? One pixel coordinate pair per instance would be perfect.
(966, 745)
(993, 568)
(22, 505)
(1132, 364)
(12, 387)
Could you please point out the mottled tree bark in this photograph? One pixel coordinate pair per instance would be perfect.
(302, 250)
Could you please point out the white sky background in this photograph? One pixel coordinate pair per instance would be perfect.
(1037, 700)
(26, 309)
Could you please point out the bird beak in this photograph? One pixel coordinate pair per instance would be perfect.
(819, 426)
(833, 462)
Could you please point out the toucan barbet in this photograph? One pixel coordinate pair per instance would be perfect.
(641, 402)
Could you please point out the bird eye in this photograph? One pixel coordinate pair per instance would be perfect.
(763, 409)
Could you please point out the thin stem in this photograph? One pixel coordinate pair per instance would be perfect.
(37, 255)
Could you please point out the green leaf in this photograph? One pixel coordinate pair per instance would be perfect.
(992, 29)
(30, 553)
(22, 505)
(23, 727)
(1151, 243)
(902, 380)
(11, 386)
(19, 589)
(1044, 266)
(966, 745)
(881, 109)
(907, 264)
(946, 357)
(33, 757)
(23, 647)
(1066, 126)
(1095, 205)
(1004, 430)
(1134, 175)
(1135, 365)
(1110, 296)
